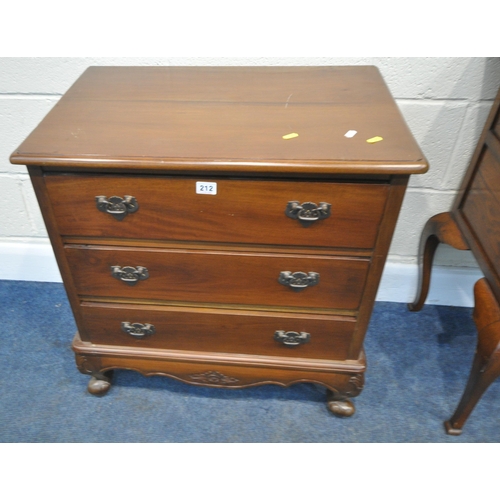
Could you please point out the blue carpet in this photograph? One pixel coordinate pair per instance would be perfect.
(418, 364)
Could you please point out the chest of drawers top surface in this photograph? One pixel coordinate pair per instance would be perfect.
(230, 118)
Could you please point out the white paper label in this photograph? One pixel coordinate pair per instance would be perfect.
(350, 133)
(206, 188)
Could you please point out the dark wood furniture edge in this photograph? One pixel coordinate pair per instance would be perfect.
(487, 267)
(36, 175)
(492, 142)
(196, 165)
(453, 228)
(379, 257)
(486, 364)
(343, 380)
(442, 228)
(351, 366)
(469, 175)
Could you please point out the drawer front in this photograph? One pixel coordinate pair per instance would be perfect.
(242, 211)
(210, 330)
(219, 277)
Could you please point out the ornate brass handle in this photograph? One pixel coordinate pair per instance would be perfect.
(129, 275)
(299, 280)
(116, 206)
(138, 330)
(308, 212)
(291, 339)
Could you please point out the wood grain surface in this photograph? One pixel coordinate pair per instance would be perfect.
(215, 330)
(219, 277)
(243, 211)
(481, 208)
(210, 115)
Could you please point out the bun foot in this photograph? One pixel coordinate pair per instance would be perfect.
(99, 386)
(339, 405)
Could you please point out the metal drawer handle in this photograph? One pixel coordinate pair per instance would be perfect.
(308, 212)
(291, 339)
(116, 206)
(129, 275)
(299, 280)
(138, 330)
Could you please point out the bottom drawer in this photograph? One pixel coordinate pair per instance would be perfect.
(218, 330)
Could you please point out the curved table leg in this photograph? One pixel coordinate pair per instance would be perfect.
(439, 229)
(486, 365)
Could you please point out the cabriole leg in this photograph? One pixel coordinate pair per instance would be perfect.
(486, 364)
(439, 229)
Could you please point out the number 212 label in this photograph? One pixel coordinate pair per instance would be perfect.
(206, 188)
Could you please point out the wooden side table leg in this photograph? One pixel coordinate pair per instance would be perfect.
(486, 364)
(439, 229)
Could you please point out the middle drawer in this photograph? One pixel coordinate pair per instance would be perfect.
(219, 276)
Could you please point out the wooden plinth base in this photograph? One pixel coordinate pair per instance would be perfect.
(343, 379)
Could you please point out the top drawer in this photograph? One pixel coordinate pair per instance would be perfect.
(241, 211)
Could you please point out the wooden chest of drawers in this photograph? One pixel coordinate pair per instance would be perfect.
(220, 225)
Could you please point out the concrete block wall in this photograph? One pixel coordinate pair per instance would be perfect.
(445, 102)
